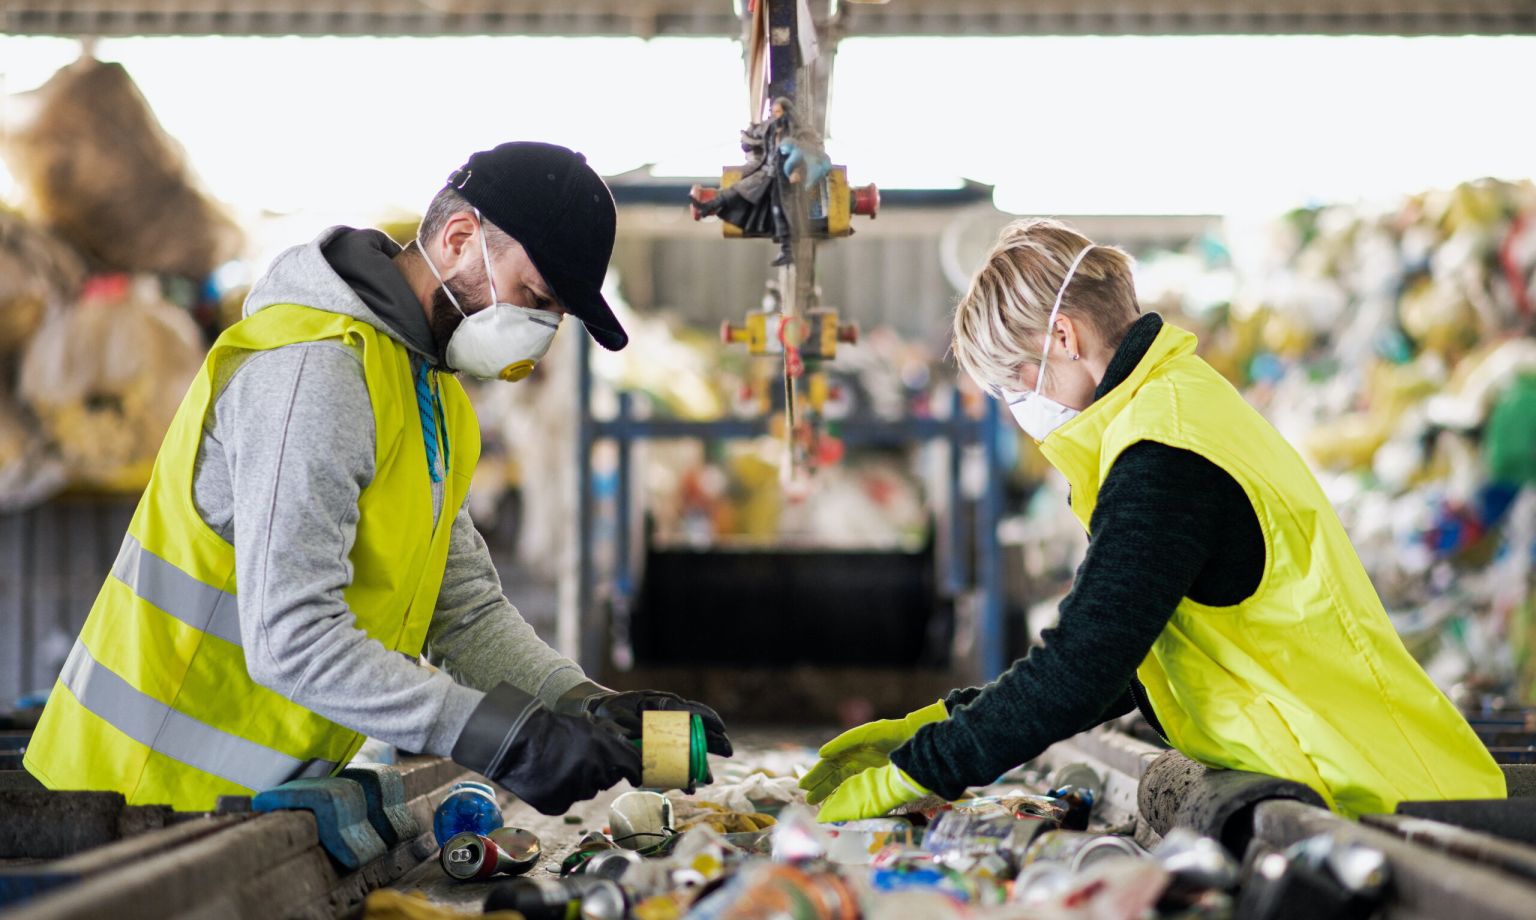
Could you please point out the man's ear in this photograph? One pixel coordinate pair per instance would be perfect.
(458, 233)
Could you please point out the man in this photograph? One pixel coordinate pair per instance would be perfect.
(321, 461)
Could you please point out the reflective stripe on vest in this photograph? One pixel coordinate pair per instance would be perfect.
(176, 735)
(200, 606)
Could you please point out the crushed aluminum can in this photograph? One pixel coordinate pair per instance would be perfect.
(468, 855)
(1104, 848)
(559, 899)
(1318, 876)
(590, 844)
(1196, 861)
(1080, 775)
(612, 864)
(606, 901)
(522, 846)
(1065, 847)
(1362, 869)
(505, 851)
(640, 878)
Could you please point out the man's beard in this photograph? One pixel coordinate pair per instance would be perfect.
(446, 317)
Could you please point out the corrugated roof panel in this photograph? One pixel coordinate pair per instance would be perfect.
(717, 17)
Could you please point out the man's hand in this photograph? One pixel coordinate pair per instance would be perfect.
(547, 759)
(871, 794)
(863, 748)
(624, 707)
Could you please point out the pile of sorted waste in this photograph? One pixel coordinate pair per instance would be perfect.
(97, 169)
(108, 253)
(1394, 346)
(104, 379)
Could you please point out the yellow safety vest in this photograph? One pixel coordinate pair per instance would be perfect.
(1306, 679)
(155, 701)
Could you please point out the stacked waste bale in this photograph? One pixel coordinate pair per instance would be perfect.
(94, 369)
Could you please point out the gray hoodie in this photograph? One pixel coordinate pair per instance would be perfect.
(287, 448)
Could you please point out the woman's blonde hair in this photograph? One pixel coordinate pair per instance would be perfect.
(1000, 323)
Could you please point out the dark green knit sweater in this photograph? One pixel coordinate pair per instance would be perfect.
(1169, 524)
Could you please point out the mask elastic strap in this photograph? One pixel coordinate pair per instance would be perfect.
(436, 274)
(1050, 324)
(485, 250)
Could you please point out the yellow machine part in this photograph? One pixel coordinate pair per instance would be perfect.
(729, 177)
(760, 340)
(839, 205)
(828, 322)
(819, 391)
(839, 201)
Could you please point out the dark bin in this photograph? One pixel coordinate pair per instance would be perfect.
(775, 607)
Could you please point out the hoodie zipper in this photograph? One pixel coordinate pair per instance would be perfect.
(1139, 694)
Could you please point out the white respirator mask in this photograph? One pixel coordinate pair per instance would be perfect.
(501, 342)
(1036, 413)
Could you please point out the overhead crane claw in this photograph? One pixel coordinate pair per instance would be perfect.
(789, 191)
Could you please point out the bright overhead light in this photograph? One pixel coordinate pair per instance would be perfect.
(1059, 125)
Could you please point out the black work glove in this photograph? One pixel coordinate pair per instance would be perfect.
(549, 760)
(624, 707)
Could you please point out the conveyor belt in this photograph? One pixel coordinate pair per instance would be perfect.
(243, 865)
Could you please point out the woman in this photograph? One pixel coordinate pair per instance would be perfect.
(1220, 593)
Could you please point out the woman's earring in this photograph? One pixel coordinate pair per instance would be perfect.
(1075, 357)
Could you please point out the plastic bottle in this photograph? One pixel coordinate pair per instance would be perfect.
(957, 837)
(468, 808)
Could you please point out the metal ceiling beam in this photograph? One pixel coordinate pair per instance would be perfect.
(366, 18)
(1195, 17)
(647, 18)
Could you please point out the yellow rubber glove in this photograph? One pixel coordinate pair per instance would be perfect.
(859, 749)
(871, 794)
